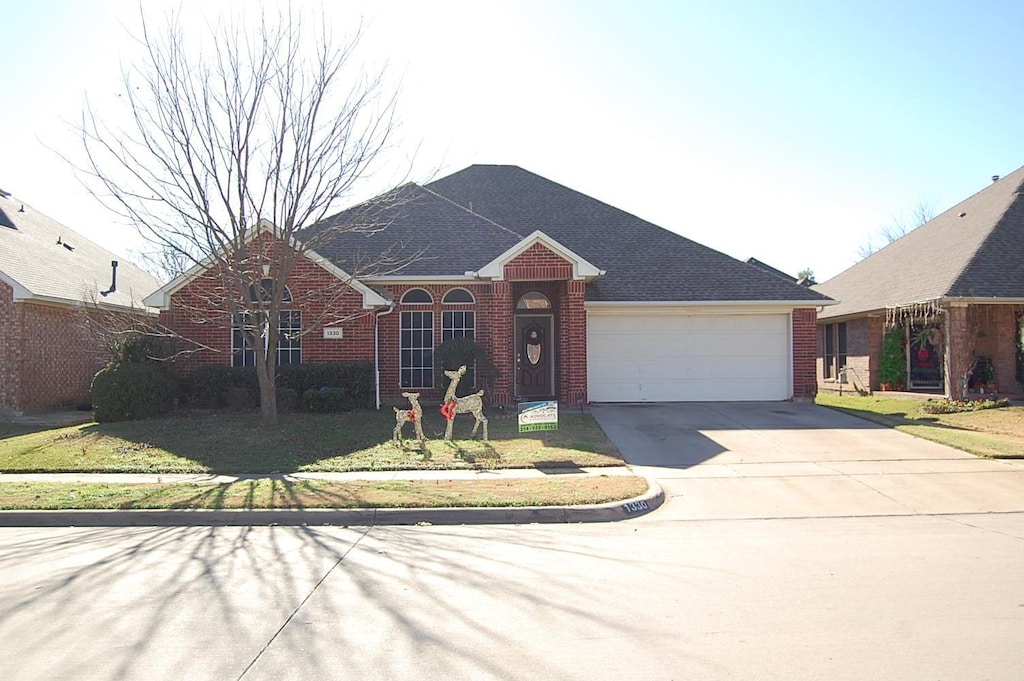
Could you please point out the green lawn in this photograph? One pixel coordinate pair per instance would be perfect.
(995, 433)
(233, 442)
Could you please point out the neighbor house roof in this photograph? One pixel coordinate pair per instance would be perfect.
(464, 221)
(973, 251)
(44, 261)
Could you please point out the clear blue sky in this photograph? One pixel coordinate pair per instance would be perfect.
(787, 131)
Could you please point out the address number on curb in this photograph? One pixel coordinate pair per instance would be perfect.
(635, 506)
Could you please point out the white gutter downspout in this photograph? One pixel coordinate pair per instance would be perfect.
(376, 349)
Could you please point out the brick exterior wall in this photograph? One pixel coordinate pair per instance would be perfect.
(805, 350)
(996, 330)
(537, 263)
(390, 335)
(863, 353)
(199, 312)
(47, 355)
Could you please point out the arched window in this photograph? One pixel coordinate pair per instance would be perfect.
(416, 296)
(458, 296)
(534, 300)
(265, 292)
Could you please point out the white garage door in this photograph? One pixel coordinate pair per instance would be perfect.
(671, 356)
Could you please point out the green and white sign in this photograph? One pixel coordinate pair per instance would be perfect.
(538, 416)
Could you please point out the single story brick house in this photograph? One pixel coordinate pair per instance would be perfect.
(954, 288)
(572, 298)
(51, 280)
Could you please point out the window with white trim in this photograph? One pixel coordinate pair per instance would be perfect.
(417, 349)
(248, 329)
(247, 333)
(460, 324)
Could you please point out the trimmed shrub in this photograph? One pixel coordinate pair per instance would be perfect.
(326, 400)
(216, 385)
(219, 386)
(132, 390)
(354, 379)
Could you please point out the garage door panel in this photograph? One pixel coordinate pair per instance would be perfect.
(688, 357)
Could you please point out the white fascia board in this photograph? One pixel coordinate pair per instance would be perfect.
(581, 268)
(52, 301)
(466, 278)
(982, 301)
(20, 292)
(371, 299)
(759, 304)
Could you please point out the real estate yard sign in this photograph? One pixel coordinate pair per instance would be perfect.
(538, 416)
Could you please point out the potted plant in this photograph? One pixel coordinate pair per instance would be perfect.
(892, 372)
(984, 375)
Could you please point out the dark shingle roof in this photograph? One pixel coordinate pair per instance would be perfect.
(427, 235)
(467, 219)
(973, 250)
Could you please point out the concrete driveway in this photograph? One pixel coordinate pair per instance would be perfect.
(796, 460)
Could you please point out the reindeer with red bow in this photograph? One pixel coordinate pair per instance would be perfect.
(414, 416)
(470, 404)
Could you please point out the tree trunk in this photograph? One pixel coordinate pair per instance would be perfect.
(268, 392)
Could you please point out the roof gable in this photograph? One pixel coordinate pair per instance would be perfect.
(45, 261)
(161, 298)
(972, 250)
(581, 268)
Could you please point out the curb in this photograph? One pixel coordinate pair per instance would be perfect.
(503, 515)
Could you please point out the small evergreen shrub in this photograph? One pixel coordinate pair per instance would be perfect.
(893, 366)
(132, 390)
(456, 352)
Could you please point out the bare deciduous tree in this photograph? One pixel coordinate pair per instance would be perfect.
(898, 228)
(242, 131)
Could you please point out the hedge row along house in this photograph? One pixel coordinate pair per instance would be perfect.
(572, 299)
(57, 289)
(952, 291)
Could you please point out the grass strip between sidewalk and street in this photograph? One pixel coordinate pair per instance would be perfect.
(993, 433)
(286, 493)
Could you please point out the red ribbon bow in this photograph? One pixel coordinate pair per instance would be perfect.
(411, 416)
(448, 410)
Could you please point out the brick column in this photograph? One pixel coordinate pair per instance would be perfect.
(502, 326)
(956, 358)
(805, 351)
(573, 345)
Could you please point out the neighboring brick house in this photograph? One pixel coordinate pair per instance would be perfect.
(51, 279)
(954, 285)
(572, 298)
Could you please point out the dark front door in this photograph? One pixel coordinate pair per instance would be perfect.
(534, 356)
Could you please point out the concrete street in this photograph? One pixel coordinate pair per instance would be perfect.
(795, 543)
